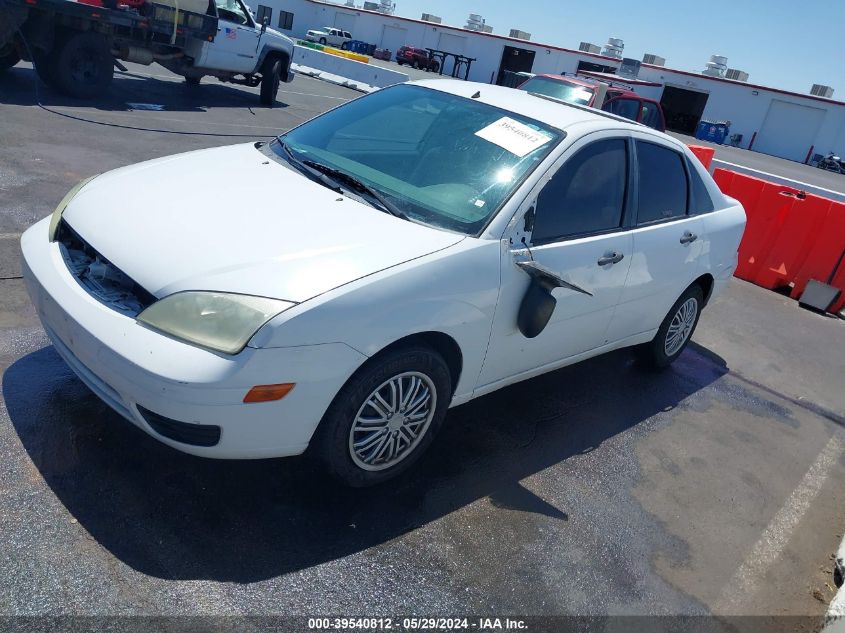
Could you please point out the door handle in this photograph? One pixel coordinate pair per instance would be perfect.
(612, 258)
(688, 237)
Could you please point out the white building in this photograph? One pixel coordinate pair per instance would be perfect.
(770, 120)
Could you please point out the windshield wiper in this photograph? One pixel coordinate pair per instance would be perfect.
(357, 186)
(310, 172)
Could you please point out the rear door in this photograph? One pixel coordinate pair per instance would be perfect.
(669, 242)
(580, 234)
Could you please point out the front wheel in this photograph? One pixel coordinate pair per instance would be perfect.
(675, 331)
(385, 417)
(271, 71)
(323, 41)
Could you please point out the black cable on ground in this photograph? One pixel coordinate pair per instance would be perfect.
(118, 125)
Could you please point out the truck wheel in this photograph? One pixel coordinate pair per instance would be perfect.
(271, 71)
(8, 57)
(45, 66)
(323, 41)
(84, 65)
(193, 81)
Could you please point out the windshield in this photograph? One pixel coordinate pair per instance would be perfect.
(441, 159)
(559, 89)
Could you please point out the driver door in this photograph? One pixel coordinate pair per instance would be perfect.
(580, 233)
(235, 47)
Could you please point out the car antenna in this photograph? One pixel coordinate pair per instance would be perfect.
(477, 95)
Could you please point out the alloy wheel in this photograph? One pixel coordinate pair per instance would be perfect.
(392, 421)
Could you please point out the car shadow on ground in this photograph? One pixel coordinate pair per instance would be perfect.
(171, 515)
(18, 87)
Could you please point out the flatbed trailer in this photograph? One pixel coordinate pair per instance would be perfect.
(41, 31)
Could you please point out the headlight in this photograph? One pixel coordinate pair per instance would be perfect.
(217, 320)
(57, 214)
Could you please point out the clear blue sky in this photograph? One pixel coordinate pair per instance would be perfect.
(781, 43)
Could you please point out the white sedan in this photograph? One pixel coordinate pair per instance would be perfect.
(342, 286)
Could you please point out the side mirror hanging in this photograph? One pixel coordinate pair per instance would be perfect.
(538, 304)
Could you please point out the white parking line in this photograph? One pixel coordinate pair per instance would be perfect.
(773, 541)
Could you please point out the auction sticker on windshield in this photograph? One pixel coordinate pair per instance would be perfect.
(516, 137)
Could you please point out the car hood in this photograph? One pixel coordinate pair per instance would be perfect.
(232, 219)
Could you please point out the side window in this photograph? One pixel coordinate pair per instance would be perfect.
(285, 20)
(662, 191)
(586, 195)
(700, 200)
(264, 12)
(651, 116)
(231, 11)
(628, 108)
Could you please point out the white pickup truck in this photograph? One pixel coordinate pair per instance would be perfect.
(75, 46)
(329, 35)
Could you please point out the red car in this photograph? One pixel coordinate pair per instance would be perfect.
(416, 57)
(598, 95)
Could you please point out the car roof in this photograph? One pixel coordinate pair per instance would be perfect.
(546, 110)
(562, 79)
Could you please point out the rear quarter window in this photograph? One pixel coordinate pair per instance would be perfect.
(700, 200)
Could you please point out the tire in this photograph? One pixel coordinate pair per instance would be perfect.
(271, 71)
(192, 81)
(435, 67)
(344, 46)
(323, 41)
(84, 65)
(8, 57)
(417, 64)
(666, 346)
(45, 67)
(419, 369)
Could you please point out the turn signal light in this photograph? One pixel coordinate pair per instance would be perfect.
(269, 393)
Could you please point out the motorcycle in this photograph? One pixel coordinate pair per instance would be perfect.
(833, 163)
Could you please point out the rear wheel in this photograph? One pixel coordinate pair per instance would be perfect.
(323, 41)
(84, 65)
(385, 417)
(675, 331)
(271, 71)
(8, 57)
(193, 81)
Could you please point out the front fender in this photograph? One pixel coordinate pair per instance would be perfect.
(453, 291)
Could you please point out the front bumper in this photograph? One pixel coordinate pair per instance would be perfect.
(130, 366)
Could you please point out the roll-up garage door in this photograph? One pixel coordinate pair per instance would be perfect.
(345, 22)
(452, 43)
(393, 37)
(789, 130)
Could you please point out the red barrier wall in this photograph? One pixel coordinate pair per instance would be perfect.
(790, 237)
(704, 154)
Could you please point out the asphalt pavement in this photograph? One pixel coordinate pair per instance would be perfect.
(716, 487)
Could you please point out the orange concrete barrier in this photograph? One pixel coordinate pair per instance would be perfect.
(704, 154)
(790, 237)
(826, 251)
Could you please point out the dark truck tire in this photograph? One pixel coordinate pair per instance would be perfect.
(45, 67)
(8, 57)
(84, 65)
(271, 72)
(192, 81)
